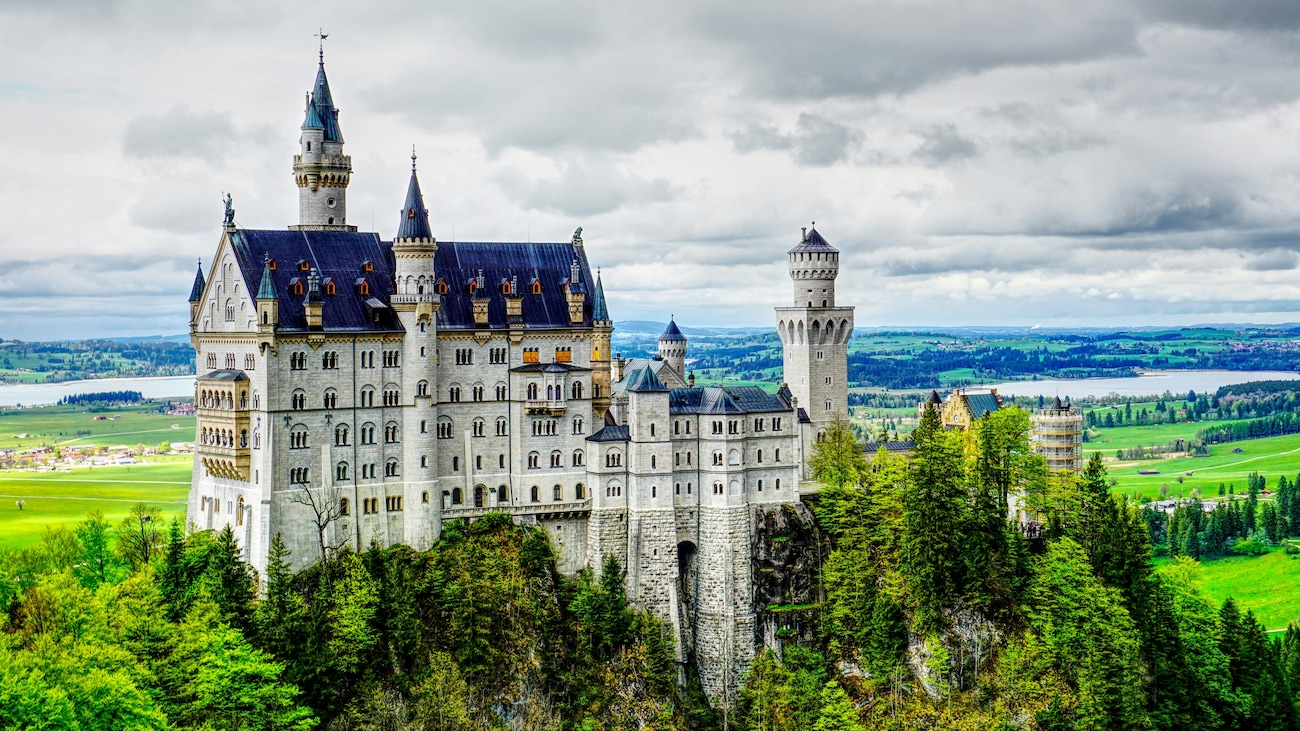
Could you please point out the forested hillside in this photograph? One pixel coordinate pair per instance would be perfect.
(933, 610)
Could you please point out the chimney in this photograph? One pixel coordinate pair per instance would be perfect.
(804, 237)
(481, 300)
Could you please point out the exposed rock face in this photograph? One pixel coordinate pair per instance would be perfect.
(950, 664)
(788, 549)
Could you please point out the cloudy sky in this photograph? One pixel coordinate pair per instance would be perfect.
(1090, 162)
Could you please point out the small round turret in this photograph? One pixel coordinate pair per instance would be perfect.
(672, 348)
(814, 265)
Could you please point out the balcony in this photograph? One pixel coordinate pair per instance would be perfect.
(545, 408)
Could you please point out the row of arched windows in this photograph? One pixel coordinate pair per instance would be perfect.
(557, 459)
(223, 438)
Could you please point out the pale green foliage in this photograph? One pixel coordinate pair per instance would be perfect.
(838, 713)
(355, 599)
(837, 459)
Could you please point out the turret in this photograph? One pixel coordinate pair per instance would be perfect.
(268, 301)
(320, 168)
(602, 334)
(413, 250)
(672, 348)
(814, 265)
(196, 296)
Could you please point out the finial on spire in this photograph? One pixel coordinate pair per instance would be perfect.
(322, 35)
(412, 158)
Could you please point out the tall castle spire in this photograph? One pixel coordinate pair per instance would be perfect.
(415, 217)
(320, 168)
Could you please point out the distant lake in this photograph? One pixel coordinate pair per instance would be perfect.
(1150, 383)
(40, 394)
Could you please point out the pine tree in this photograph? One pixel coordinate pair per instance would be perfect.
(933, 518)
(279, 617)
(230, 582)
(838, 713)
(171, 578)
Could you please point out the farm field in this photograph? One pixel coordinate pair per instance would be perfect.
(1107, 441)
(1271, 457)
(1267, 585)
(60, 425)
(64, 498)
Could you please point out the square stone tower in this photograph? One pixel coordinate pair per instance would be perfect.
(815, 333)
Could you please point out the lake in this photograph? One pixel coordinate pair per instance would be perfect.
(40, 394)
(1150, 383)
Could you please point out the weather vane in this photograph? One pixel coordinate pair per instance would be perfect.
(322, 35)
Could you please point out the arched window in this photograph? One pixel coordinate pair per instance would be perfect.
(578, 457)
(579, 492)
(343, 506)
(341, 472)
(479, 427)
(557, 493)
(533, 493)
(239, 511)
(532, 392)
(457, 496)
(444, 427)
(367, 397)
(533, 459)
(298, 437)
(478, 495)
(367, 433)
(422, 388)
(476, 392)
(557, 459)
(453, 393)
(341, 435)
(503, 428)
(390, 468)
(298, 400)
(503, 494)
(331, 399)
(576, 391)
(390, 433)
(577, 425)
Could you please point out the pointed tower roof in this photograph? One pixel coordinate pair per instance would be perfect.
(599, 312)
(196, 292)
(672, 332)
(266, 290)
(813, 241)
(321, 113)
(644, 380)
(415, 217)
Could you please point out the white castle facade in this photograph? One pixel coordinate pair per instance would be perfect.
(354, 391)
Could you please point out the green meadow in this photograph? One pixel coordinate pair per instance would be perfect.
(1272, 457)
(1268, 585)
(63, 498)
(76, 425)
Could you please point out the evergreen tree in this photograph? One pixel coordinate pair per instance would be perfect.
(231, 583)
(279, 617)
(96, 565)
(838, 713)
(172, 579)
(933, 517)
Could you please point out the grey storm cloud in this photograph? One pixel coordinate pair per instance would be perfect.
(1069, 162)
(942, 144)
(815, 141)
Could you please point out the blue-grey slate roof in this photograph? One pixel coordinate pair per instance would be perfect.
(611, 433)
(644, 380)
(225, 374)
(548, 368)
(981, 404)
(459, 262)
(321, 113)
(266, 288)
(725, 400)
(415, 217)
(813, 242)
(196, 292)
(672, 332)
(339, 255)
(599, 312)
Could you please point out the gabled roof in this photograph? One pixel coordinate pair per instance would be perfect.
(644, 380)
(611, 433)
(671, 333)
(813, 241)
(981, 404)
(225, 374)
(415, 217)
(335, 254)
(725, 400)
(667, 376)
(321, 113)
(546, 263)
(895, 447)
(196, 292)
(599, 312)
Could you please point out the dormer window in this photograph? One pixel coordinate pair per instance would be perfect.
(363, 286)
(270, 263)
(505, 286)
(329, 287)
(303, 265)
(442, 286)
(295, 286)
(367, 266)
(473, 285)
(536, 287)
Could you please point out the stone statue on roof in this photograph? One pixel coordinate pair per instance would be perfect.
(230, 209)
(577, 236)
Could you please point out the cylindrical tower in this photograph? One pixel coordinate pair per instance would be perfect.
(672, 348)
(814, 265)
(320, 168)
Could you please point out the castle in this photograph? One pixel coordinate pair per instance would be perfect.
(353, 390)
